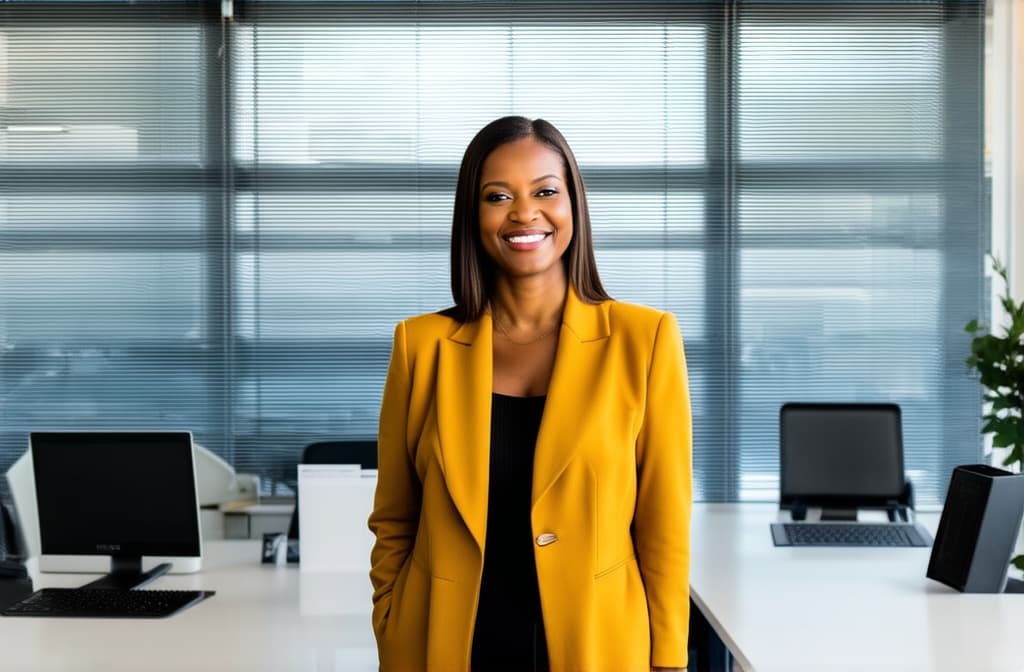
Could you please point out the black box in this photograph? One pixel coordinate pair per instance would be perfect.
(978, 529)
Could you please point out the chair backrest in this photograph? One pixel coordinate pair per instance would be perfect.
(363, 453)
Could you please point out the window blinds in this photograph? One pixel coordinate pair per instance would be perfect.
(859, 223)
(110, 312)
(234, 213)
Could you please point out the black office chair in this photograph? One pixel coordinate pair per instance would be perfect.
(363, 453)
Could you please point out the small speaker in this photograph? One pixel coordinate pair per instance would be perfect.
(978, 529)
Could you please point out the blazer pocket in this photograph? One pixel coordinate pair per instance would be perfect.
(423, 567)
(613, 567)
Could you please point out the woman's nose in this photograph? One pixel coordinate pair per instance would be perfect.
(523, 212)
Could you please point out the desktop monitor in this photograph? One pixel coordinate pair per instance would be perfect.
(122, 502)
(841, 455)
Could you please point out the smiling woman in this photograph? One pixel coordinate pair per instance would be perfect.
(534, 491)
(526, 221)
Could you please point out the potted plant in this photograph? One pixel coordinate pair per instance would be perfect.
(999, 361)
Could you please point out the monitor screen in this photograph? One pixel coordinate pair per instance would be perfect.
(848, 452)
(116, 493)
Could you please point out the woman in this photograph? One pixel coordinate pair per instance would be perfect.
(533, 503)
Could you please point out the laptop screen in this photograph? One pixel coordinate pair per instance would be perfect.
(841, 452)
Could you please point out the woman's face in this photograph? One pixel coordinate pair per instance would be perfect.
(525, 210)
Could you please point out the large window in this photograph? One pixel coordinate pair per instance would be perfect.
(109, 218)
(254, 203)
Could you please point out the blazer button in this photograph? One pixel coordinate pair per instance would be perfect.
(546, 538)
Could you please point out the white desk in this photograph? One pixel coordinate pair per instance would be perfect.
(777, 609)
(263, 618)
(800, 609)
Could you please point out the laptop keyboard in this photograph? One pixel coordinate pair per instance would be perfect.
(852, 534)
(99, 603)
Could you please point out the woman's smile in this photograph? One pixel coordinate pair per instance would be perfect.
(527, 239)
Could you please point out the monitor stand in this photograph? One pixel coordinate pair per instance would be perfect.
(126, 573)
(834, 514)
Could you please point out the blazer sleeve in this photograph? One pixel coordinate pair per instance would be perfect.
(396, 504)
(664, 497)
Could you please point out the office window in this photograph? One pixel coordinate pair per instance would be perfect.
(859, 217)
(352, 123)
(109, 200)
(216, 224)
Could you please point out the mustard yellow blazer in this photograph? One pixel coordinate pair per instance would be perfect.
(611, 492)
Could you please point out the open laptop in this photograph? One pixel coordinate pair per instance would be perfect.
(841, 477)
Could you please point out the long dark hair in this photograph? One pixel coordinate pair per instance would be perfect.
(473, 271)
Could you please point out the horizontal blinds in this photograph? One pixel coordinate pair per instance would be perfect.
(859, 223)
(109, 310)
(215, 225)
(352, 123)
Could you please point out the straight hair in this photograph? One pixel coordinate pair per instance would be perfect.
(472, 270)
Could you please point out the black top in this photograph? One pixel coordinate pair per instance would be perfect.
(509, 632)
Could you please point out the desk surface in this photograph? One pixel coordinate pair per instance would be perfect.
(262, 618)
(777, 609)
(793, 609)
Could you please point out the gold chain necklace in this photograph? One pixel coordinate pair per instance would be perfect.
(504, 333)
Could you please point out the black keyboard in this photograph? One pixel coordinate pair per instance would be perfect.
(101, 603)
(847, 534)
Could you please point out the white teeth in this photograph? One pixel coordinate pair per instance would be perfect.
(532, 238)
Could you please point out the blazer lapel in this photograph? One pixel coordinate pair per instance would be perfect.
(464, 384)
(577, 369)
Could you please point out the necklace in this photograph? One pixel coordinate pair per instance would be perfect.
(504, 333)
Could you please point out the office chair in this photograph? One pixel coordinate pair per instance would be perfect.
(363, 453)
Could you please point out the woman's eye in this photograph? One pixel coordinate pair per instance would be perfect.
(495, 197)
(547, 192)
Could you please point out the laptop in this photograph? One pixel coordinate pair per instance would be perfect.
(841, 477)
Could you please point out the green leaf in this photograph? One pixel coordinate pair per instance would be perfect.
(999, 268)
(971, 327)
(1002, 441)
(1006, 425)
(1001, 402)
(1018, 562)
